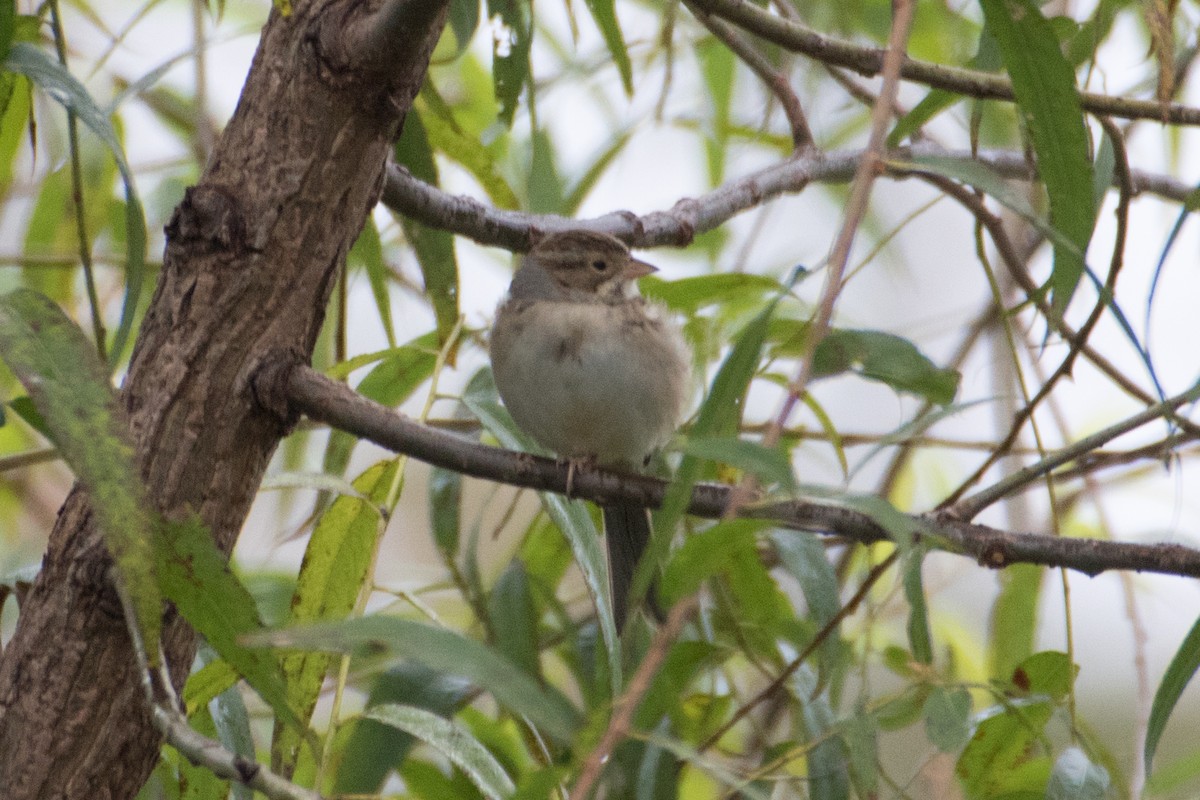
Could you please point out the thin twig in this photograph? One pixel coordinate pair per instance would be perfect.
(826, 630)
(869, 61)
(776, 80)
(969, 508)
(856, 209)
(1078, 343)
(622, 719)
(81, 231)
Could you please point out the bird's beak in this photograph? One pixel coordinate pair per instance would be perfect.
(639, 269)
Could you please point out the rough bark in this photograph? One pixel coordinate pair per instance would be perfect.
(253, 251)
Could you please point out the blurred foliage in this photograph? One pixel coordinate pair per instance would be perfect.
(816, 668)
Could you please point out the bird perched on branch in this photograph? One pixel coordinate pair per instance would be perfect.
(592, 371)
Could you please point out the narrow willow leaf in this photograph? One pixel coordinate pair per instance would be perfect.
(69, 386)
(195, 576)
(1179, 672)
(688, 295)
(452, 740)
(804, 557)
(1014, 618)
(399, 373)
(373, 749)
(434, 247)
(772, 466)
(513, 618)
(463, 20)
(511, 38)
(446, 137)
(231, 721)
(1044, 85)
(828, 761)
(919, 639)
(445, 504)
(444, 651)
(53, 78)
(570, 517)
(367, 253)
(546, 188)
(605, 15)
(335, 569)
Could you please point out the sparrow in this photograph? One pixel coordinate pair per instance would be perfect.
(592, 371)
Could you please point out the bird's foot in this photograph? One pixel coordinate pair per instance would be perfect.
(578, 463)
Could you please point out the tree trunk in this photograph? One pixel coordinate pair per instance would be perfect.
(253, 251)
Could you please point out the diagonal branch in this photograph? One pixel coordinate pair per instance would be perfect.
(324, 400)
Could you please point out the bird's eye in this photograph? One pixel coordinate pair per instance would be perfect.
(599, 265)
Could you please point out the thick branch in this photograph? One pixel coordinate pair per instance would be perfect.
(375, 42)
(253, 252)
(515, 230)
(869, 61)
(328, 401)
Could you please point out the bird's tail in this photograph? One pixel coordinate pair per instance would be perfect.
(626, 535)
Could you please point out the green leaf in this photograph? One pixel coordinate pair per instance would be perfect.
(400, 372)
(1047, 673)
(452, 740)
(367, 252)
(335, 569)
(804, 557)
(15, 105)
(53, 79)
(773, 466)
(717, 66)
(444, 651)
(887, 359)
(513, 618)
(1044, 85)
(512, 36)
(24, 408)
(546, 189)
(711, 552)
(948, 718)
(445, 136)
(445, 503)
(919, 639)
(1179, 672)
(934, 103)
(1001, 756)
(688, 295)
(69, 386)
(1076, 777)
(463, 20)
(8, 19)
(987, 180)
(828, 761)
(372, 748)
(605, 15)
(1014, 618)
(197, 782)
(195, 576)
(434, 247)
(571, 518)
